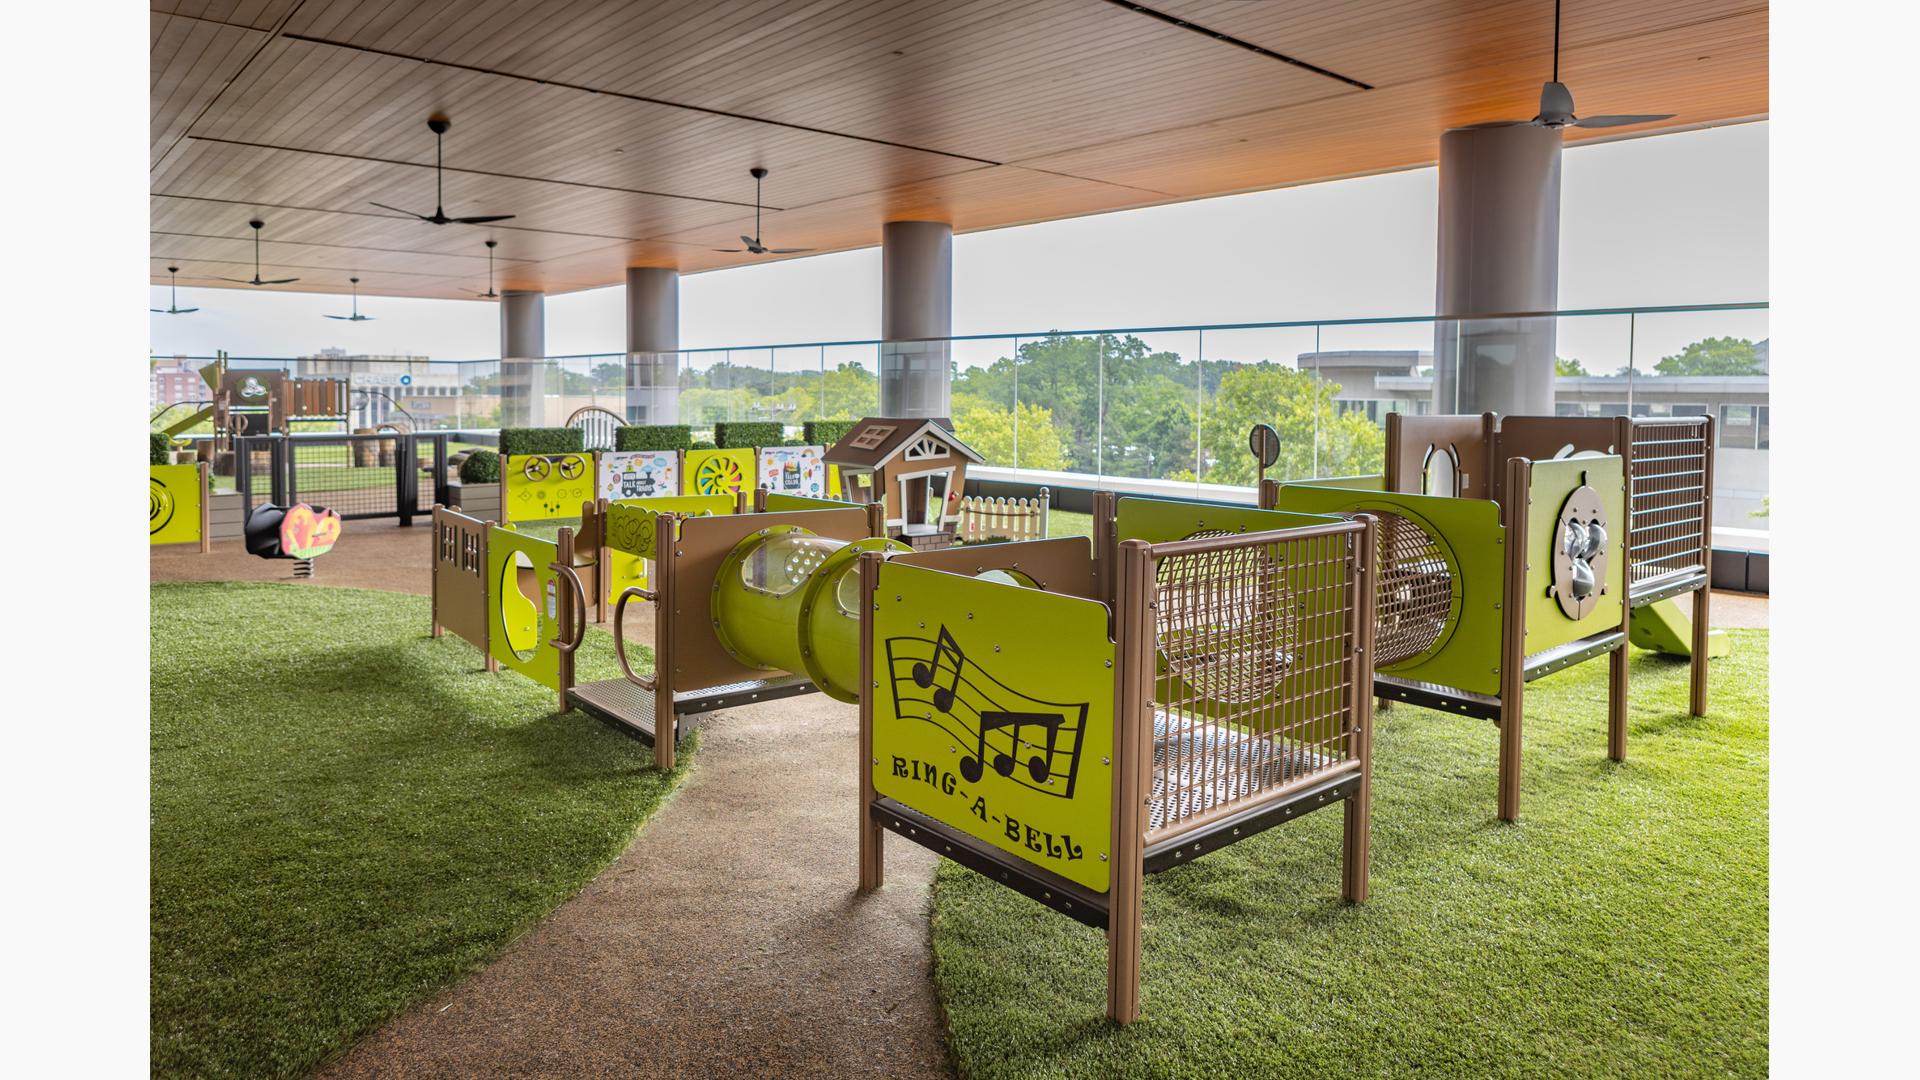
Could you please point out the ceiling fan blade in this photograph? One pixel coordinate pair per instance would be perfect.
(397, 210)
(278, 281)
(750, 242)
(1619, 120)
(730, 251)
(183, 311)
(787, 251)
(482, 220)
(236, 280)
(335, 317)
(159, 311)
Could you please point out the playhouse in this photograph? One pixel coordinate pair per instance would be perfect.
(917, 468)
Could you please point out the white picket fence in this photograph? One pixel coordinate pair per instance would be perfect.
(1009, 519)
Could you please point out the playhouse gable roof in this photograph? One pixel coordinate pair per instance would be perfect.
(877, 440)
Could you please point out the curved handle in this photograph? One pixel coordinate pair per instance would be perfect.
(620, 637)
(567, 645)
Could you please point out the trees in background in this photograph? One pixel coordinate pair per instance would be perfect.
(1713, 356)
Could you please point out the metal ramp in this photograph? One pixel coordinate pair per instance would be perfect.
(630, 707)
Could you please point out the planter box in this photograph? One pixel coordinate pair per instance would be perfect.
(475, 500)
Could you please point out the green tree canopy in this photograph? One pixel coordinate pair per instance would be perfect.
(1713, 356)
(1564, 366)
(1316, 439)
(990, 431)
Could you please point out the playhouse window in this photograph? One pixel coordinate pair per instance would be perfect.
(872, 437)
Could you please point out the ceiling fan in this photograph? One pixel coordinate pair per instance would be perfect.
(1556, 101)
(257, 225)
(753, 242)
(489, 294)
(356, 316)
(439, 126)
(173, 304)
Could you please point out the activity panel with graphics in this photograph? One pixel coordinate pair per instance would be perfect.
(993, 714)
(541, 487)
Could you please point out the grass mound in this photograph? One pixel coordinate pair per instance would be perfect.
(1619, 929)
(348, 815)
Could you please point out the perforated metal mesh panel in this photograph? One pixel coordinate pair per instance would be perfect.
(1414, 594)
(1667, 499)
(1256, 686)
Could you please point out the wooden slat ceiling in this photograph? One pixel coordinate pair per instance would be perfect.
(620, 132)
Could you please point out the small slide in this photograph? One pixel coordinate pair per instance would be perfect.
(1663, 627)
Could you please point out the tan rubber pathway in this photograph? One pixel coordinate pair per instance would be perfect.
(727, 941)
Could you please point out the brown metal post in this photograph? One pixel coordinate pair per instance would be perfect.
(205, 472)
(1106, 552)
(1359, 806)
(1390, 468)
(1513, 635)
(760, 499)
(433, 564)
(877, 520)
(1132, 762)
(603, 578)
(872, 838)
(1703, 596)
(666, 589)
(1269, 496)
(487, 585)
(742, 503)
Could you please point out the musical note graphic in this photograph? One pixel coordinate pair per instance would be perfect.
(923, 674)
(999, 725)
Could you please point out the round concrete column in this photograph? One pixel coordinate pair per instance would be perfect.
(653, 342)
(1499, 252)
(523, 366)
(916, 302)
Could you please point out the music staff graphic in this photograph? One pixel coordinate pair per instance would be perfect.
(1030, 741)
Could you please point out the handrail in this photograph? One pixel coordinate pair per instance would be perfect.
(620, 637)
(1662, 309)
(579, 608)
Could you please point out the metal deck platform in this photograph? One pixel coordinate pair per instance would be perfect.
(626, 704)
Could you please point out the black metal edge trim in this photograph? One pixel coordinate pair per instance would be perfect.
(1071, 899)
(1231, 830)
(1561, 657)
(1434, 696)
(1664, 590)
(693, 706)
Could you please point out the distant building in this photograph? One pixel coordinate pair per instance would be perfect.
(1381, 381)
(391, 389)
(176, 379)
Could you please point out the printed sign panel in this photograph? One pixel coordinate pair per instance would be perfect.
(719, 472)
(994, 715)
(541, 487)
(173, 504)
(793, 470)
(638, 474)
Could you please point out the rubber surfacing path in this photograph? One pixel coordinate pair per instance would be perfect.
(727, 940)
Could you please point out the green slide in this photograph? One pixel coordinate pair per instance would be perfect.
(1663, 627)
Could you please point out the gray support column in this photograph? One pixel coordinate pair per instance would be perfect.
(1499, 252)
(523, 365)
(916, 302)
(653, 342)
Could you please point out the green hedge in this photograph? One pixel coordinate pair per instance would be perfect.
(481, 467)
(703, 444)
(159, 449)
(827, 432)
(653, 437)
(542, 440)
(747, 434)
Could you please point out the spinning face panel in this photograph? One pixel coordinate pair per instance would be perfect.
(994, 715)
(173, 504)
(718, 472)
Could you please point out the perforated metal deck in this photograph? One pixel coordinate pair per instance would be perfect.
(628, 705)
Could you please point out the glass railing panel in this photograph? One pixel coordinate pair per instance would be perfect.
(713, 390)
(983, 399)
(797, 377)
(1715, 363)
(1149, 405)
(1253, 376)
(850, 383)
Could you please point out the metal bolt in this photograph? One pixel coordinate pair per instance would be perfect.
(1109, 663)
(996, 648)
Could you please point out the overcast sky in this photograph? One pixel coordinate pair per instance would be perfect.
(1671, 219)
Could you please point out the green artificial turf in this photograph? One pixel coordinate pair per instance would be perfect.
(348, 815)
(1619, 929)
